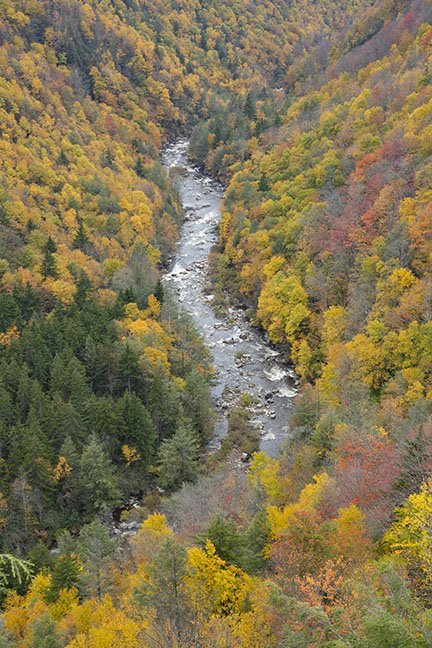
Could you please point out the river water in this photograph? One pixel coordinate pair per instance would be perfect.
(243, 359)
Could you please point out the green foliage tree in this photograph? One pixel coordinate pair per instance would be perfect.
(136, 427)
(65, 575)
(49, 265)
(45, 633)
(95, 549)
(97, 478)
(223, 534)
(178, 458)
(164, 592)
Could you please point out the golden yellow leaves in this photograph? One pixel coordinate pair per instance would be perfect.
(152, 533)
(310, 498)
(282, 308)
(131, 455)
(102, 625)
(62, 469)
(264, 473)
(9, 335)
(142, 325)
(410, 535)
(215, 586)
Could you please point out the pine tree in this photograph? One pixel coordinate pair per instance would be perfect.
(223, 534)
(97, 478)
(103, 421)
(178, 458)
(28, 300)
(95, 549)
(69, 421)
(255, 539)
(96, 359)
(159, 292)
(128, 371)
(140, 168)
(197, 403)
(263, 184)
(9, 311)
(250, 106)
(39, 357)
(84, 289)
(62, 159)
(136, 427)
(164, 404)
(68, 379)
(14, 572)
(7, 409)
(69, 494)
(81, 239)
(44, 633)
(49, 265)
(22, 398)
(31, 454)
(65, 574)
(163, 592)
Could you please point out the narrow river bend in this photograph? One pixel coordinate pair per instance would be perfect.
(243, 360)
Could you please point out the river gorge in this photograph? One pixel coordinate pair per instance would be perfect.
(244, 361)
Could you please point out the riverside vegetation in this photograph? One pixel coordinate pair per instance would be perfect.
(317, 117)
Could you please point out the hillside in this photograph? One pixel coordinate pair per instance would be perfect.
(317, 117)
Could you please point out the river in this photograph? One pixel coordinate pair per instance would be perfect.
(243, 359)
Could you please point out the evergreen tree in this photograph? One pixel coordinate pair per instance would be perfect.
(44, 633)
(263, 184)
(65, 574)
(7, 409)
(103, 421)
(178, 458)
(254, 541)
(62, 159)
(49, 265)
(37, 353)
(68, 379)
(159, 292)
(9, 311)
(81, 239)
(97, 478)
(95, 549)
(97, 365)
(69, 451)
(69, 503)
(31, 454)
(164, 404)
(28, 300)
(84, 289)
(163, 592)
(140, 168)
(65, 420)
(24, 515)
(22, 390)
(136, 427)
(250, 106)
(128, 371)
(197, 403)
(223, 533)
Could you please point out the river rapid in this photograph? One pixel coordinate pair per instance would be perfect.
(244, 360)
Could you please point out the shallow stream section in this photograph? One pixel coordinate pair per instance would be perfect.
(243, 359)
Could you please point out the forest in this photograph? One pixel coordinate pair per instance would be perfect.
(317, 119)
